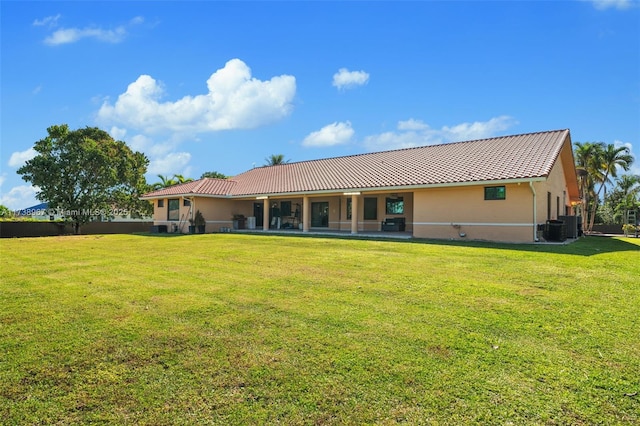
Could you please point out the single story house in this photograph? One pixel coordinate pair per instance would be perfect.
(498, 189)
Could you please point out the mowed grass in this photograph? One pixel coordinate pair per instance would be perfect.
(241, 329)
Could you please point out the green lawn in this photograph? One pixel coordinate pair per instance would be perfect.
(240, 329)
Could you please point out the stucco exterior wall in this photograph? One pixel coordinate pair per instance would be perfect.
(554, 189)
(463, 213)
(217, 213)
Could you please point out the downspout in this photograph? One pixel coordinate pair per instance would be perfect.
(535, 209)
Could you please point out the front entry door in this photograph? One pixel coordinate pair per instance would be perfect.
(320, 215)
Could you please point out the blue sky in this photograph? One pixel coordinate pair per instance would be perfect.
(220, 86)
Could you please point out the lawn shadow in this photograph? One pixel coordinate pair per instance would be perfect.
(584, 246)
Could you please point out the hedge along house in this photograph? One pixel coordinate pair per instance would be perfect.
(497, 189)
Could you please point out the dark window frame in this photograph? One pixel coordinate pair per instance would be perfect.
(160, 204)
(390, 202)
(370, 209)
(285, 208)
(497, 192)
(176, 208)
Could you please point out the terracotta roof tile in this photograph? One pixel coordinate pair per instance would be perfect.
(508, 157)
(206, 186)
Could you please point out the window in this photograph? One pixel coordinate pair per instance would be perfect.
(557, 207)
(548, 206)
(285, 208)
(173, 212)
(494, 193)
(349, 208)
(186, 202)
(370, 209)
(395, 205)
(160, 203)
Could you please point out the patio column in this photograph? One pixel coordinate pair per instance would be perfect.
(355, 196)
(354, 213)
(306, 213)
(265, 215)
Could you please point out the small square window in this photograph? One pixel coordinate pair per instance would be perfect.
(395, 205)
(160, 203)
(495, 193)
(186, 203)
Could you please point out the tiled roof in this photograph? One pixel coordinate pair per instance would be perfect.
(206, 186)
(508, 157)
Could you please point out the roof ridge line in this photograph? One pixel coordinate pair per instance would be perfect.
(415, 147)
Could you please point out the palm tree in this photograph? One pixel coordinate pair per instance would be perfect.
(586, 159)
(626, 195)
(608, 160)
(275, 159)
(166, 182)
(628, 184)
(181, 179)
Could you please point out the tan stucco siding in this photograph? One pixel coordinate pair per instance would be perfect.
(217, 213)
(553, 190)
(454, 211)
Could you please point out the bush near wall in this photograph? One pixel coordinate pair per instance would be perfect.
(48, 229)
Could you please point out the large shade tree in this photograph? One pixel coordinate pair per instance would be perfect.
(85, 174)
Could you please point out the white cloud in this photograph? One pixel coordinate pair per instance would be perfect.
(18, 158)
(613, 4)
(117, 133)
(170, 164)
(345, 79)
(2, 179)
(71, 35)
(20, 197)
(478, 129)
(413, 132)
(412, 124)
(50, 21)
(635, 166)
(330, 135)
(235, 100)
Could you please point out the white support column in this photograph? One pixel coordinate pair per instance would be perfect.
(265, 215)
(306, 213)
(354, 213)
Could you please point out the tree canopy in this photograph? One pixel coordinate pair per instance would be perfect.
(166, 181)
(85, 173)
(5, 212)
(596, 164)
(275, 159)
(214, 174)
